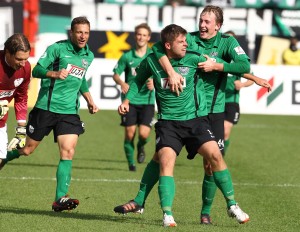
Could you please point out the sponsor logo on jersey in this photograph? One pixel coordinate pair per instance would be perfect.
(85, 63)
(239, 50)
(165, 83)
(6, 93)
(18, 81)
(75, 71)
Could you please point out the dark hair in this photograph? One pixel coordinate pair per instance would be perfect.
(216, 10)
(79, 20)
(17, 42)
(143, 25)
(171, 32)
(230, 33)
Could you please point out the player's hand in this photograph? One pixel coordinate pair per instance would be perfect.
(123, 108)
(175, 83)
(238, 85)
(3, 108)
(93, 108)
(264, 83)
(19, 140)
(150, 84)
(208, 65)
(62, 74)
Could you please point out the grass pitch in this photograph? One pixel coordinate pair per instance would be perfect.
(263, 158)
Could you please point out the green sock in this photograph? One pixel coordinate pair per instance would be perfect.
(224, 183)
(149, 179)
(11, 155)
(142, 142)
(209, 189)
(166, 191)
(129, 151)
(63, 178)
(226, 145)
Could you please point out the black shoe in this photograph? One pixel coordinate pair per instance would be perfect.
(141, 155)
(205, 219)
(132, 168)
(129, 207)
(64, 203)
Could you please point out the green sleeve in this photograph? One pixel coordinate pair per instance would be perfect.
(237, 67)
(121, 65)
(143, 72)
(39, 72)
(241, 62)
(158, 50)
(84, 86)
(46, 61)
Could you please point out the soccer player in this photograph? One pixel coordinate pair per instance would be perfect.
(62, 70)
(210, 41)
(15, 73)
(142, 107)
(182, 121)
(232, 98)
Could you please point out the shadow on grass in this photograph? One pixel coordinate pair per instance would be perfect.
(81, 216)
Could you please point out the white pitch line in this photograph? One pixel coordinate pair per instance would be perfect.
(286, 185)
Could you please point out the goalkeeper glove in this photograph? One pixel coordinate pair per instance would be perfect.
(18, 141)
(3, 108)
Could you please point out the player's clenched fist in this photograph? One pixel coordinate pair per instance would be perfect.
(124, 107)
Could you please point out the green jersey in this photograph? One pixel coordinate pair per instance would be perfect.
(127, 64)
(220, 46)
(191, 103)
(62, 96)
(227, 48)
(231, 94)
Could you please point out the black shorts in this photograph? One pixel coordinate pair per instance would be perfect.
(216, 121)
(42, 122)
(232, 112)
(176, 134)
(138, 115)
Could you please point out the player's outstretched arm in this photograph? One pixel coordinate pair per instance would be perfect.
(259, 81)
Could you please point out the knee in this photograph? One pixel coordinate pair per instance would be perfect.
(67, 154)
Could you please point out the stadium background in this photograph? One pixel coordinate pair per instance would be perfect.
(263, 29)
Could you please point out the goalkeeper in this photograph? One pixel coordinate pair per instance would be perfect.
(15, 73)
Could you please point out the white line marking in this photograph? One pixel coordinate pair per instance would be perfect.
(286, 185)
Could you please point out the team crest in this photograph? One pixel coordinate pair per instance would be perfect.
(183, 70)
(31, 129)
(84, 63)
(18, 81)
(214, 54)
